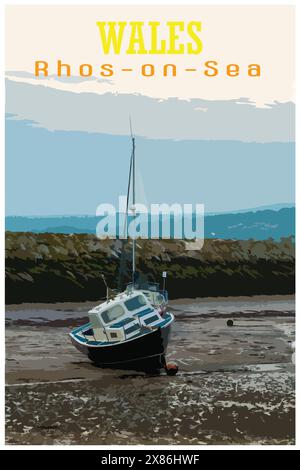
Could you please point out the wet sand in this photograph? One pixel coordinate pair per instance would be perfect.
(234, 385)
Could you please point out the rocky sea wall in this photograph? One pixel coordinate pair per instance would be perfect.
(50, 267)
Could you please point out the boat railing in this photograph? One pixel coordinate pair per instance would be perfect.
(165, 294)
(88, 333)
(153, 286)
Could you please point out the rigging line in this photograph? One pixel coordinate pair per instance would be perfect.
(129, 178)
(125, 237)
(128, 194)
(133, 201)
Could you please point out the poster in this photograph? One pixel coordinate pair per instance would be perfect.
(150, 225)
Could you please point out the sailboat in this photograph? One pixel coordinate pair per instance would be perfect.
(131, 329)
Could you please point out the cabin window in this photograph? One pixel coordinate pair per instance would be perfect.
(135, 303)
(112, 313)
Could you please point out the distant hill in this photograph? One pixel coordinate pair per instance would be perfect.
(271, 207)
(257, 224)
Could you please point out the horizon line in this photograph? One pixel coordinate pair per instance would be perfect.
(284, 205)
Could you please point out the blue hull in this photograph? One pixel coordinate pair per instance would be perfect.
(141, 353)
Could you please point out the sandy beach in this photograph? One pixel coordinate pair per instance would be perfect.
(234, 385)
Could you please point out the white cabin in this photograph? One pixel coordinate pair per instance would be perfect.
(123, 317)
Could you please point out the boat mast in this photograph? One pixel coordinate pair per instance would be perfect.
(133, 203)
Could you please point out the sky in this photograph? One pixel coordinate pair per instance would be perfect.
(71, 172)
(225, 142)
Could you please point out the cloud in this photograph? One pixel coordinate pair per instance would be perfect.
(172, 118)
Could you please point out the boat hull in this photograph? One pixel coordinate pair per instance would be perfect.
(142, 353)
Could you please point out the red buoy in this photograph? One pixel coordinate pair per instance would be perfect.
(171, 368)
